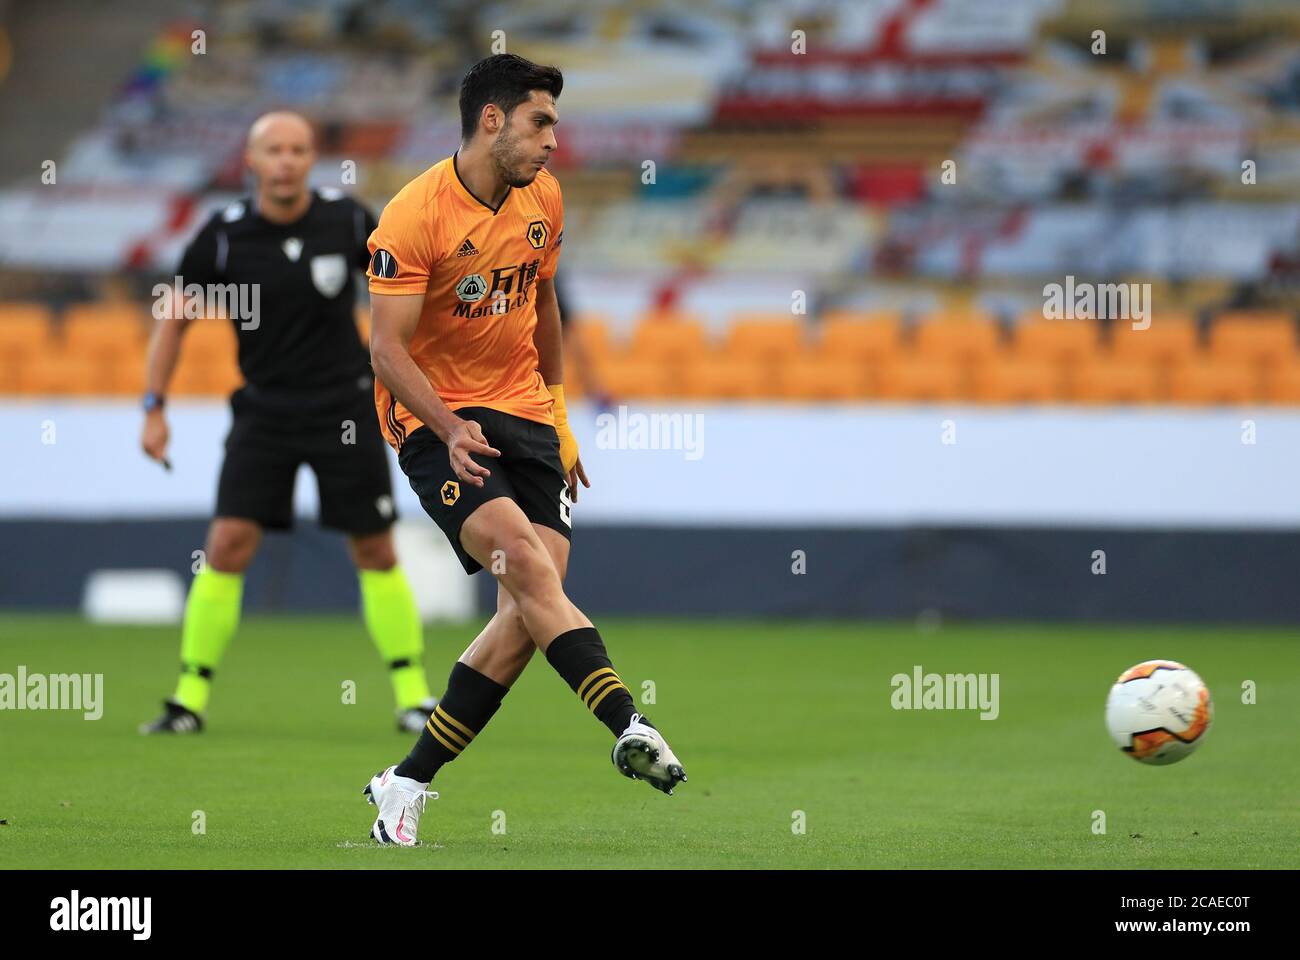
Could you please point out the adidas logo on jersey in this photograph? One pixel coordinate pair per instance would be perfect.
(467, 249)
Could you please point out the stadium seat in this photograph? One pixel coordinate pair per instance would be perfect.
(25, 332)
(593, 330)
(107, 334)
(1055, 341)
(205, 381)
(1171, 338)
(663, 340)
(920, 379)
(58, 373)
(1015, 380)
(1282, 385)
(633, 378)
(124, 379)
(1264, 340)
(862, 337)
(209, 365)
(1104, 380)
(962, 340)
(823, 378)
(1213, 382)
(23, 320)
(767, 339)
(724, 377)
(211, 339)
(572, 381)
(96, 324)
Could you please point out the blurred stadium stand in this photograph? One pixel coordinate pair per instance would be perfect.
(774, 172)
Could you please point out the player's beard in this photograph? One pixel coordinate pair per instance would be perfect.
(510, 159)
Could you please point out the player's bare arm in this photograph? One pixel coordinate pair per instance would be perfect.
(393, 322)
(549, 340)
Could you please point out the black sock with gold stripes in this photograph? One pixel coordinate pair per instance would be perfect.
(579, 657)
(469, 703)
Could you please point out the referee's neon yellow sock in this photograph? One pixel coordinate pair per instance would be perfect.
(211, 618)
(388, 607)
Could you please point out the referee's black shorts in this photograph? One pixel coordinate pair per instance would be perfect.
(344, 448)
(528, 472)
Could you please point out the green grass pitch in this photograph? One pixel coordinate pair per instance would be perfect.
(769, 719)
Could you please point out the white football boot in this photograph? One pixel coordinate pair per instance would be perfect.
(400, 801)
(642, 753)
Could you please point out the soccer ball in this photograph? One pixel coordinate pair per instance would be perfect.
(1158, 712)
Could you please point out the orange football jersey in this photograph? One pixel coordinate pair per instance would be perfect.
(478, 270)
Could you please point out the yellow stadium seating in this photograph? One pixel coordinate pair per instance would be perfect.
(112, 336)
(593, 330)
(124, 379)
(1171, 338)
(99, 327)
(1056, 341)
(633, 378)
(25, 330)
(1252, 357)
(60, 373)
(664, 340)
(1015, 380)
(765, 339)
(962, 340)
(1214, 382)
(209, 360)
(823, 378)
(920, 379)
(196, 377)
(211, 340)
(1262, 339)
(1282, 386)
(1115, 382)
(863, 338)
(25, 319)
(725, 377)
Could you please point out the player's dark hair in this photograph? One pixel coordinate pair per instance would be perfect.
(505, 80)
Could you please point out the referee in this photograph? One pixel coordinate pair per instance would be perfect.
(307, 398)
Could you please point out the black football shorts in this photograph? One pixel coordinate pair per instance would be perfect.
(528, 472)
(346, 452)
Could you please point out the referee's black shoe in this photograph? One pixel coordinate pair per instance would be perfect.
(175, 719)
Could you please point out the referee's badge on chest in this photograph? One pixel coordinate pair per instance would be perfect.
(329, 272)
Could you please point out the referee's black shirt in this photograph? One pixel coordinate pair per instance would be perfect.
(304, 356)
